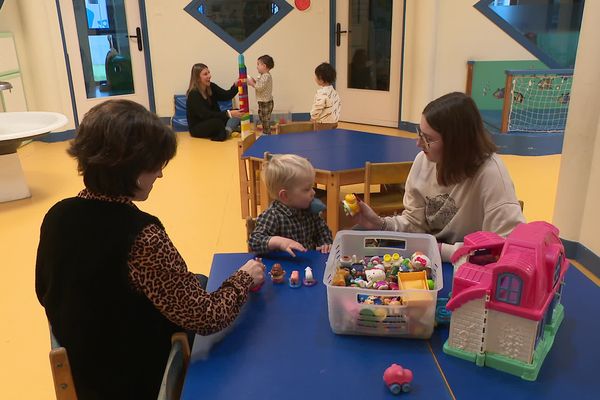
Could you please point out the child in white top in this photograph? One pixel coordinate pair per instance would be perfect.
(326, 107)
(264, 91)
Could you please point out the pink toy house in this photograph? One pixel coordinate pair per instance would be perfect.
(506, 298)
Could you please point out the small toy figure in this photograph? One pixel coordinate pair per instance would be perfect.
(374, 276)
(419, 261)
(387, 261)
(277, 273)
(339, 279)
(309, 280)
(345, 261)
(294, 280)
(350, 204)
(398, 379)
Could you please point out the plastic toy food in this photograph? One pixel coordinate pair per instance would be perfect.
(398, 379)
(350, 204)
(295, 279)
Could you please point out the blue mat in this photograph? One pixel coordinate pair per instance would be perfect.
(179, 120)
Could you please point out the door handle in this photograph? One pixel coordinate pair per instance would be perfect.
(338, 33)
(138, 37)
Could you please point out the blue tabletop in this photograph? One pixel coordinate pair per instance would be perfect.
(282, 347)
(568, 370)
(338, 149)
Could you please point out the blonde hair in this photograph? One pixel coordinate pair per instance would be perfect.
(284, 171)
(195, 82)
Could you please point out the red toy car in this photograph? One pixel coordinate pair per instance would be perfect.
(398, 379)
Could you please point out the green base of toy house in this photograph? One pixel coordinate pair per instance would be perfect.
(502, 363)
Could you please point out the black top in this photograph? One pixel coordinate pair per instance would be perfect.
(117, 341)
(200, 109)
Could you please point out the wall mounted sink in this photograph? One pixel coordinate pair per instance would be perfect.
(15, 127)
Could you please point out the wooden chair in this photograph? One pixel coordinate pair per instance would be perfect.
(64, 386)
(177, 364)
(395, 173)
(250, 225)
(295, 127)
(248, 174)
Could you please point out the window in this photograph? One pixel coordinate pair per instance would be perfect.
(239, 23)
(557, 269)
(508, 289)
(548, 29)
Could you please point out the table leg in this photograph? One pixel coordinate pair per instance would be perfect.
(253, 188)
(333, 195)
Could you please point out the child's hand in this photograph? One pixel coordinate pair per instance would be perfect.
(251, 81)
(285, 244)
(325, 249)
(236, 113)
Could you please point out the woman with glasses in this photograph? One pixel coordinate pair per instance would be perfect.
(457, 184)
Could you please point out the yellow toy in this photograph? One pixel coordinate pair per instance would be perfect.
(350, 204)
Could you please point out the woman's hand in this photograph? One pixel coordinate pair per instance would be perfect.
(367, 218)
(256, 270)
(285, 244)
(236, 113)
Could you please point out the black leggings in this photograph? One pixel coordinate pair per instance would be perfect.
(213, 129)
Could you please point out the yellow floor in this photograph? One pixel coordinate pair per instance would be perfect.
(197, 201)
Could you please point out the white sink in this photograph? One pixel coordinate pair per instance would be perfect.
(23, 125)
(16, 127)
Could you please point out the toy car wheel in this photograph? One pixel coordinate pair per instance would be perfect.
(395, 388)
(406, 387)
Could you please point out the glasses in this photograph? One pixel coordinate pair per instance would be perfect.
(427, 142)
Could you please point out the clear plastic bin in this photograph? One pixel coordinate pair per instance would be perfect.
(414, 318)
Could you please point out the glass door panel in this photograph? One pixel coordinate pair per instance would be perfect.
(369, 44)
(104, 46)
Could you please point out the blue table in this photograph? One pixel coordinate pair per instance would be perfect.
(338, 155)
(281, 347)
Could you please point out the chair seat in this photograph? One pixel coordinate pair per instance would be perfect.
(387, 203)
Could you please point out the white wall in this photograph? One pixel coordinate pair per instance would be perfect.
(34, 24)
(576, 212)
(441, 37)
(298, 43)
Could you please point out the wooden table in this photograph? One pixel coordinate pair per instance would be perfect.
(338, 155)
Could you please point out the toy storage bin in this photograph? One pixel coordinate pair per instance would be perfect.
(414, 318)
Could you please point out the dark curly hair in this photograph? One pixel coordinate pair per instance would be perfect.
(117, 141)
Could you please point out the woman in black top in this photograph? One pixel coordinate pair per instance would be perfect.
(205, 118)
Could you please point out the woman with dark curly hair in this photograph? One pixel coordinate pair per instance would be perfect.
(114, 286)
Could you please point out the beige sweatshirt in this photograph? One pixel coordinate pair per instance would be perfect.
(326, 107)
(485, 202)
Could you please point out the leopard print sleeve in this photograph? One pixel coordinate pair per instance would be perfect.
(157, 269)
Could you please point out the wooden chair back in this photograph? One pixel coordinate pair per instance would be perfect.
(295, 127)
(177, 364)
(64, 386)
(393, 174)
(250, 225)
(248, 175)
